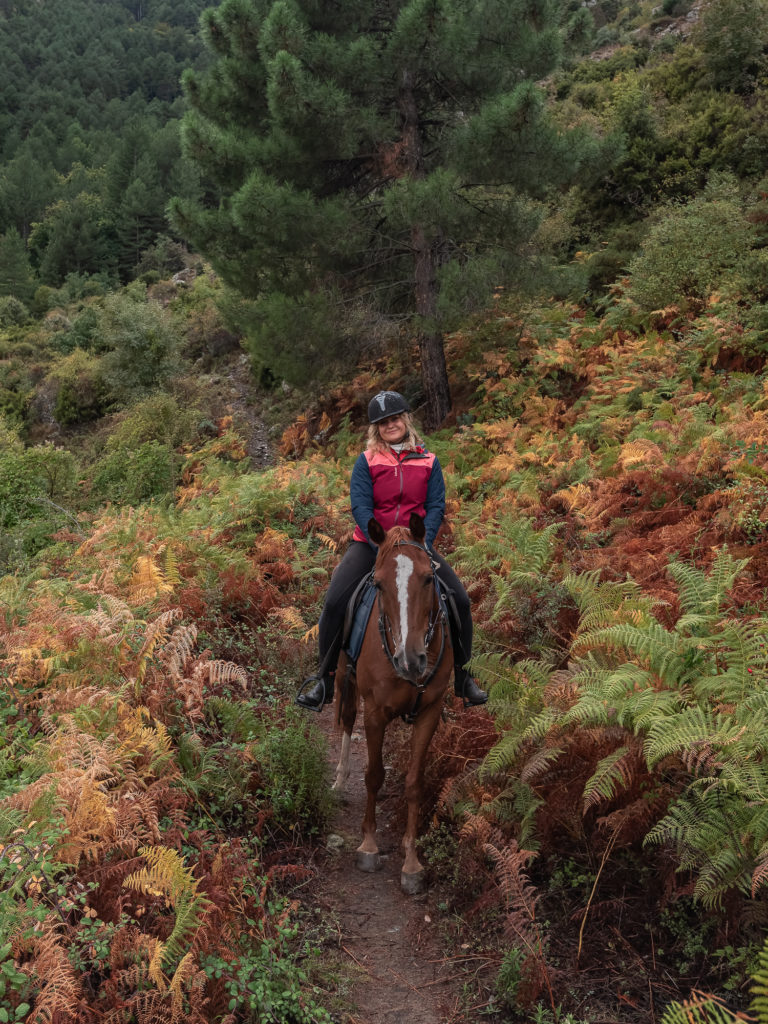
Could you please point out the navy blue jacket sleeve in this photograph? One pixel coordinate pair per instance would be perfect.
(361, 495)
(434, 506)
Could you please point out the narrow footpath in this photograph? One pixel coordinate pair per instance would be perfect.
(391, 940)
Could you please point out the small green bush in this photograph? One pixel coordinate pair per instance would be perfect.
(83, 333)
(157, 418)
(294, 763)
(13, 312)
(33, 483)
(132, 476)
(142, 341)
(79, 388)
(691, 249)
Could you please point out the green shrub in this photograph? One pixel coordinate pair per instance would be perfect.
(292, 338)
(142, 341)
(157, 418)
(294, 763)
(691, 249)
(79, 388)
(732, 35)
(13, 312)
(33, 483)
(132, 476)
(82, 334)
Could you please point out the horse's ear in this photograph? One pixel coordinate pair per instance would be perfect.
(376, 531)
(417, 527)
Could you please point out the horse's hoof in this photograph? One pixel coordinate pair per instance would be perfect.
(413, 882)
(368, 861)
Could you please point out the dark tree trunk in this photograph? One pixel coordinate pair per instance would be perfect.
(434, 374)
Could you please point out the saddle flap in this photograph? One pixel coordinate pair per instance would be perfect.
(356, 620)
(454, 622)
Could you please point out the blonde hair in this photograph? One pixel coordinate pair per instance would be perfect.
(411, 439)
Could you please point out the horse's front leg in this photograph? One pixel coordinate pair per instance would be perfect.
(412, 876)
(368, 858)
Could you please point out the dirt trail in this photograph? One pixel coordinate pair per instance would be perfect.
(390, 938)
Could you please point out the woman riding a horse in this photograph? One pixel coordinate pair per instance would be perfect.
(394, 477)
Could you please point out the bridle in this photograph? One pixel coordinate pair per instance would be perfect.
(437, 619)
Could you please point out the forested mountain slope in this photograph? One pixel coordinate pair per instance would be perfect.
(89, 145)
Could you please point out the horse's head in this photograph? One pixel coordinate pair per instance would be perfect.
(404, 578)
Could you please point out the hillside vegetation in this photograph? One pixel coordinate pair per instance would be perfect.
(600, 833)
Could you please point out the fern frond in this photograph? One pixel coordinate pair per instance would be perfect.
(182, 977)
(311, 635)
(156, 633)
(57, 983)
(702, 593)
(171, 568)
(156, 966)
(178, 649)
(759, 986)
(237, 719)
(601, 603)
(327, 542)
(290, 618)
(711, 831)
(476, 829)
(641, 452)
(574, 497)
(538, 763)
(689, 730)
(611, 773)
(502, 757)
(517, 889)
(167, 876)
(702, 1008)
(147, 580)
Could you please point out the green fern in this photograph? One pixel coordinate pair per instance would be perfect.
(168, 877)
(703, 1008)
(515, 543)
(759, 987)
(710, 830)
(502, 757)
(601, 603)
(690, 729)
(610, 775)
(236, 718)
(701, 593)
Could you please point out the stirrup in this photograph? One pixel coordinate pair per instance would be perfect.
(305, 703)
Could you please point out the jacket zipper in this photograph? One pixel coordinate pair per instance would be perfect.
(399, 469)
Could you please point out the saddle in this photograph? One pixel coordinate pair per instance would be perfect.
(361, 604)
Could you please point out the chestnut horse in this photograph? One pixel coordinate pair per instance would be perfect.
(403, 670)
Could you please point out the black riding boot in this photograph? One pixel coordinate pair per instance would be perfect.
(466, 687)
(320, 694)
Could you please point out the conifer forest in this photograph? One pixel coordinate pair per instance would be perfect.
(223, 228)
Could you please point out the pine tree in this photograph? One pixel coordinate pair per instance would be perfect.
(15, 271)
(387, 151)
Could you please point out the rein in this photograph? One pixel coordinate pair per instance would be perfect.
(436, 618)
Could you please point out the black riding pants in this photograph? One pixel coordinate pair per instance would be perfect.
(357, 562)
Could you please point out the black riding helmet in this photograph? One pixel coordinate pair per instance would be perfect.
(386, 403)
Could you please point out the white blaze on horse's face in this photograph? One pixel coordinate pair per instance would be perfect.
(404, 573)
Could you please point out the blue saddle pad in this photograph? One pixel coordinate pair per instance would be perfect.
(362, 613)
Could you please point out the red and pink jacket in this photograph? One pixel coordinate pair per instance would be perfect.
(389, 486)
